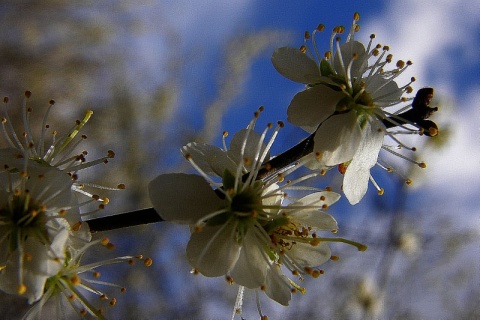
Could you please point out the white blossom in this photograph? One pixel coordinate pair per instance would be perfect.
(346, 103)
(242, 229)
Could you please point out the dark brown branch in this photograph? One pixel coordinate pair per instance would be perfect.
(123, 220)
(149, 215)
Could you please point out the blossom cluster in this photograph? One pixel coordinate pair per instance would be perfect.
(254, 218)
(246, 224)
(43, 236)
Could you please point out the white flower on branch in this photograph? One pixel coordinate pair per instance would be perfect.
(346, 103)
(242, 230)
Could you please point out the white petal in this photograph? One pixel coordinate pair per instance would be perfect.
(50, 186)
(210, 159)
(277, 285)
(272, 196)
(183, 198)
(312, 106)
(355, 181)
(252, 264)
(215, 250)
(315, 219)
(383, 91)
(348, 50)
(251, 151)
(306, 255)
(329, 198)
(338, 138)
(295, 65)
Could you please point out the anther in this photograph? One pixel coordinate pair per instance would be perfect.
(342, 168)
(77, 226)
(316, 273)
(303, 49)
(28, 94)
(75, 280)
(408, 181)
(22, 289)
(148, 262)
(307, 35)
(320, 27)
(229, 280)
(334, 258)
(356, 16)
(121, 186)
(422, 165)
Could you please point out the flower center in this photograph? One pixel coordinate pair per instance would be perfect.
(245, 202)
(26, 217)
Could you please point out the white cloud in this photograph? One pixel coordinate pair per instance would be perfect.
(424, 31)
(441, 38)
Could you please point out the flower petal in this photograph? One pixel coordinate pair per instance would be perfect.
(306, 255)
(251, 266)
(355, 181)
(318, 198)
(182, 198)
(338, 138)
(214, 250)
(311, 107)
(315, 219)
(386, 91)
(277, 285)
(348, 50)
(295, 65)
(251, 140)
(210, 159)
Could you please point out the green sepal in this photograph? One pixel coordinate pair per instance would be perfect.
(326, 68)
(228, 180)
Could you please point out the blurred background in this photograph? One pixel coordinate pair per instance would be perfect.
(160, 74)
